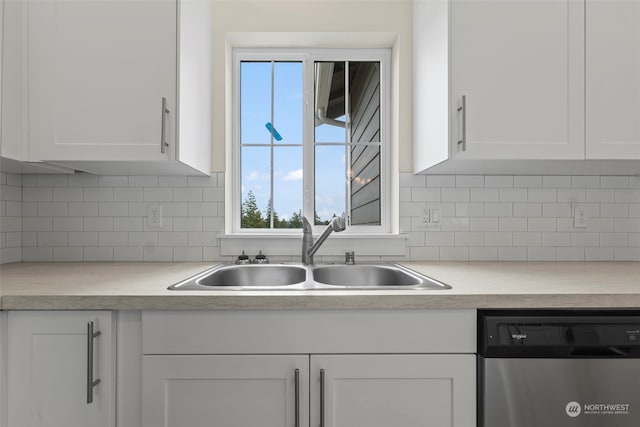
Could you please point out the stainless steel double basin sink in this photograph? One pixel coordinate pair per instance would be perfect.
(296, 276)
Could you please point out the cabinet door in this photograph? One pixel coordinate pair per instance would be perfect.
(519, 64)
(49, 369)
(388, 390)
(613, 79)
(225, 391)
(97, 73)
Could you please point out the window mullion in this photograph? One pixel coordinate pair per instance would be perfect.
(271, 137)
(308, 199)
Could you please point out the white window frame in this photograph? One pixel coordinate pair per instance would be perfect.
(308, 57)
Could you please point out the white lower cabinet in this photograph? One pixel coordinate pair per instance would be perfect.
(319, 390)
(300, 390)
(244, 390)
(334, 368)
(54, 368)
(393, 390)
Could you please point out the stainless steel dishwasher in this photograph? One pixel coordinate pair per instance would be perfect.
(558, 368)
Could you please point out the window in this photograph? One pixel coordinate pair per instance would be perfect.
(310, 139)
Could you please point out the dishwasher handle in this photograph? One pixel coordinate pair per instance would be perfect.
(610, 351)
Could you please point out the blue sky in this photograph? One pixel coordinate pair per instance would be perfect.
(255, 96)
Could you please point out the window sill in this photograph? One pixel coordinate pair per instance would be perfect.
(387, 245)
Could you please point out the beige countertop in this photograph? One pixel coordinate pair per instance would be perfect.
(141, 286)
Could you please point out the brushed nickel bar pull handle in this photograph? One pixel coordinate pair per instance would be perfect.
(163, 143)
(463, 109)
(297, 398)
(321, 397)
(91, 383)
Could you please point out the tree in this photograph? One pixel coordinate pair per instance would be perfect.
(251, 215)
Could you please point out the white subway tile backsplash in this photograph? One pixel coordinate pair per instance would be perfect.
(498, 181)
(542, 195)
(527, 210)
(173, 181)
(469, 238)
(499, 210)
(469, 209)
(37, 224)
(614, 182)
(98, 194)
(541, 254)
(410, 180)
(113, 181)
(128, 194)
(512, 254)
(82, 180)
(527, 181)
(570, 254)
(113, 238)
(598, 254)
(158, 194)
(585, 239)
(483, 254)
(627, 225)
(556, 210)
(83, 238)
(425, 195)
(128, 223)
(68, 254)
(113, 209)
(585, 181)
(68, 223)
(513, 195)
(102, 254)
(98, 224)
(37, 194)
(485, 195)
(187, 194)
(573, 195)
(556, 239)
(439, 181)
(483, 224)
(470, 181)
(83, 217)
(512, 224)
(454, 194)
(68, 194)
(53, 209)
(498, 239)
(128, 254)
(611, 210)
(143, 181)
(528, 238)
(626, 254)
(556, 181)
(83, 209)
(627, 196)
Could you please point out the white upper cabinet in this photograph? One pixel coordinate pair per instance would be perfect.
(519, 66)
(613, 79)
(98, 71)
(517, 85)
(108, 81)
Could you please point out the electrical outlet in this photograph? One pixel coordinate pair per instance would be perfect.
(580, 216)
(431, 215)
(426, 216)
(154, 216)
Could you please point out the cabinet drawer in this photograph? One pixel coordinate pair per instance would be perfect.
(318, 331)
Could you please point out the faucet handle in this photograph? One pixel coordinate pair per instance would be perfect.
(242, 259)
(261, 258)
